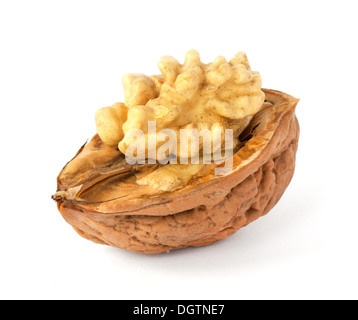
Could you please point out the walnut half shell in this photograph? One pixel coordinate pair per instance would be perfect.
(98, 196)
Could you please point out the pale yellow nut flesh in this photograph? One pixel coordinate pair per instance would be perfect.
(109, 123)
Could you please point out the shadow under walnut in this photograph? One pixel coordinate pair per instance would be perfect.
(98, 196)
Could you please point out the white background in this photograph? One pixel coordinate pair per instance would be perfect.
(62, 60)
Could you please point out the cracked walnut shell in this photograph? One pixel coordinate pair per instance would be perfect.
(98, 196)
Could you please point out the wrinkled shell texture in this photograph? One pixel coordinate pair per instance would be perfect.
(257, 187)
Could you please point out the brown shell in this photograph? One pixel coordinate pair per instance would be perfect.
(93, 197)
